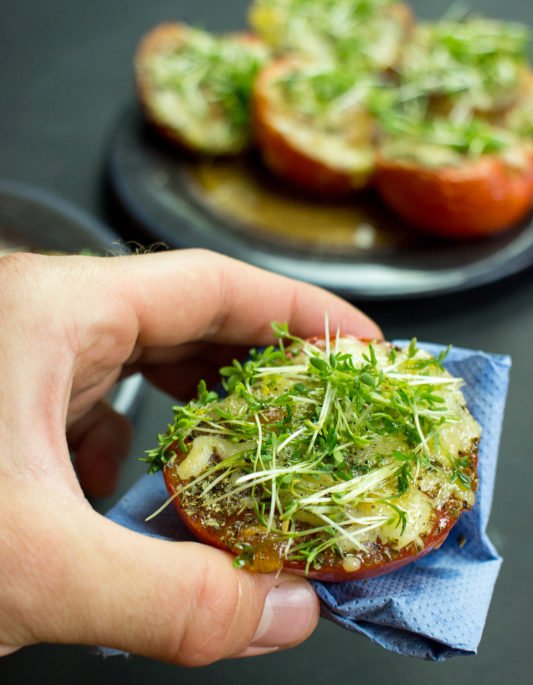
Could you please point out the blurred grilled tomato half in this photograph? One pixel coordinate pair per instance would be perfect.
(195, 88)
(313, 127)
(457, 181)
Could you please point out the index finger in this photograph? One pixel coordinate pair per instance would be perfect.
(186, 295)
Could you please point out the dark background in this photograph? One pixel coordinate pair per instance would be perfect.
(65, 80)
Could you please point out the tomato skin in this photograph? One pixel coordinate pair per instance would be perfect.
(477, 199)
(434, 540)
(290, 161)
(445, 520)
(200, 532)
(161, 37)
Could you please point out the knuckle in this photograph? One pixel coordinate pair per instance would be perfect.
(20, 261)
(17, 267)
(22, 287)
(203, 253)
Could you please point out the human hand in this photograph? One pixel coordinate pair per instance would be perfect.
(69, 328)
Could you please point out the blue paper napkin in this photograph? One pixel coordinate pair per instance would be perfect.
(434, 608)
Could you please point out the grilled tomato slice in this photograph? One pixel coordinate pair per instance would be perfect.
(335, 458)
(456, 181)
(313, 126)
(195, 88)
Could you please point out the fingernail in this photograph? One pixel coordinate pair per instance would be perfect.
(289, 614)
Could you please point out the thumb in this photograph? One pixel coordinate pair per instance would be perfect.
(179, 602)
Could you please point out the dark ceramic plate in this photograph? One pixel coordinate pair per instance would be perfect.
(235, 207)
(32, 219)
(35, 220)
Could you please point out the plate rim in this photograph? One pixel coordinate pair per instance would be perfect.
(30, 193)
(445, 281)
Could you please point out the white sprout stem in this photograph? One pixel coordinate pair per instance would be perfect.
(344, 446)
(419, 428)
(372, 523)
(362, 416)
(237, 422)
(236, 491)
(368, 521)
(350, 98)
(356, 486)
(328, 397)
(362, 521)
(311, 350)
(305, 400)
(344, 420)
(278, 503)
(372, 526)
(287, 549)
(437, 412)
(344, 533)
(215, 482)
(213, 424)
(291, 437)
(389, 369)
(416, 379)
(162, 507)
(245, 484)
(220, 431)
(293, 370)
(259, 439)
(273, 494)
(261, 476)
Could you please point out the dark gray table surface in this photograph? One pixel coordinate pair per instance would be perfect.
(65, 79)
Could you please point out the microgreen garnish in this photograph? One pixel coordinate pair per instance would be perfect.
(415, 137)
(452, 74)
(324, 445)
(359, 32)
(245, 555)
(475, 63)
(207, 78)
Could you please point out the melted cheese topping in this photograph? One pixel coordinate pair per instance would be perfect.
(203, 449)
